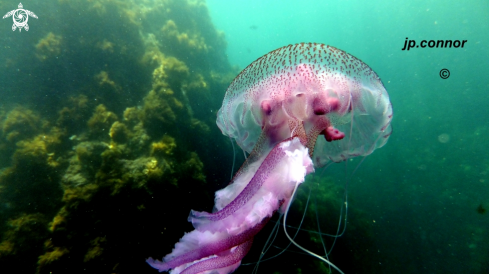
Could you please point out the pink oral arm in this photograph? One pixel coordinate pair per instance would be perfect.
(207, 249)
(332, 134)
(230, 261)
(256, 182)
(220, 245)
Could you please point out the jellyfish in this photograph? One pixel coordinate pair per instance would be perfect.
(276, 109)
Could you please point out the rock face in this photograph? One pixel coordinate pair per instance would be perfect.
(107, 118)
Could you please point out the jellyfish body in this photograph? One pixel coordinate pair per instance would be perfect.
(275, 109)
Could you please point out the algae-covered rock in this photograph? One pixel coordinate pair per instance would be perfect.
(164, 147)
(192, 42)
(111, 119)
(100, 123)
(53, 255)
(194, 167)
(49, 47)
(96, 249)
(20, 123)
(75, 112)
(119, 132)
(23, 238)
(105, 82)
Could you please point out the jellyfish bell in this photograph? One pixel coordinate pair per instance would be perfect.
(275, 109)
(317, 86)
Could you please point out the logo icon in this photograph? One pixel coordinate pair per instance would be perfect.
(444, 73)
(20, 17)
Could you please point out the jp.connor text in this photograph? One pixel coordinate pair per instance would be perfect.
(408, 44)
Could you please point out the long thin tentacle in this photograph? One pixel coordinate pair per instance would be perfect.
(302, 248)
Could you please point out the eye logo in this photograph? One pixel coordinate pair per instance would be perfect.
(20, 17)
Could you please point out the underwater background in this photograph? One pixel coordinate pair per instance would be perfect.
(108, 134)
